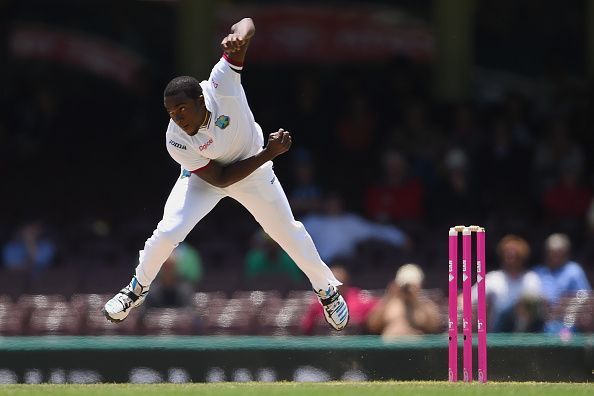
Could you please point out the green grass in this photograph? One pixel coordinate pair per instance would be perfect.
(321, 389)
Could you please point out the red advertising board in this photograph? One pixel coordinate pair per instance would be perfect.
(354, 33)
(75, 48)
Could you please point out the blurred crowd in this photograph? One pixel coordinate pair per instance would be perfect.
(378, 172)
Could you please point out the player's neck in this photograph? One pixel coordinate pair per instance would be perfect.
(206, 119)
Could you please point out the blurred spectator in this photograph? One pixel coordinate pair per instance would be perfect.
(559, 275)
(516, 116)
(170, 289)
(355, 128)
(566, 202)
(336, 232)
(188, 263)
(510, 285)
(29, 249)
(399, 195)
(91, 240)
(352, 147)
(360, 304)
(419, 138)
(267, 258)
(454, 200)
(41, 109)
(526, 316)
(556, 152)
(306, 194)
(465, 131)
(309, 110)
(506, 178)
(404, 310)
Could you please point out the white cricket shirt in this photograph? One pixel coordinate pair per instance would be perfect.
(231, 135)
(504, 291)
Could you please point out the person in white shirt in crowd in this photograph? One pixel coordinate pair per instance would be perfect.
(337, 232)
(510, 284)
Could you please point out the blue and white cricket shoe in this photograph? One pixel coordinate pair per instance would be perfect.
(120, 305)
(335, 308)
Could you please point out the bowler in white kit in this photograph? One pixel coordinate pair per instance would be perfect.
(212, 134)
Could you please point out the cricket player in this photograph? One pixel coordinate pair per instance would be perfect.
(212, 134)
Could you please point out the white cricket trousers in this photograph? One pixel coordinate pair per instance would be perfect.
(261, 194)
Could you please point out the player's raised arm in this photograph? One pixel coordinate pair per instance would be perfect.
(235, 44)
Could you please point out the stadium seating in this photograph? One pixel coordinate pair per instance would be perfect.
(253, 312)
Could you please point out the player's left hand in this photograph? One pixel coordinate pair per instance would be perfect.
(233, 42)
(279, 142)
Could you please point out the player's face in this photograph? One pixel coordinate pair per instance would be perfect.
(186, 112)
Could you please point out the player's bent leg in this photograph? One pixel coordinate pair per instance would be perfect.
(295, 238)
(190, 200)
(156, 251)
(263, 196)
(166, 237)
(335, 307)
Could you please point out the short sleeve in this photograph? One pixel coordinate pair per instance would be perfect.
(183, 155)
(493, 283)
(580, 280)
(531, 284)
(225, 77)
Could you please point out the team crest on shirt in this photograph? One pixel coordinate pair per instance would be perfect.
(223, 121)
(185, 173)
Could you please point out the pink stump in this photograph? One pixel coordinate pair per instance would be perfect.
(467, 304)
(481, 306)
(453, 306)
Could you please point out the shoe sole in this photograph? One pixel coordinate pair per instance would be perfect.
(342, 328)
(112, 320)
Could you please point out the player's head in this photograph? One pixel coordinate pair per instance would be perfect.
(184, 102)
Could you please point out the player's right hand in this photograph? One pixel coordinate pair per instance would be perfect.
(233, 43)
(279, 142)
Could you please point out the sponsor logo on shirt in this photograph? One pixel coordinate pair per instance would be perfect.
(205, 145)
(177, 145)
(215, 84)
(223, 121)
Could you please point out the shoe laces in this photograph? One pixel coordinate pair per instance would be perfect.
(132, 292)
(124, 299)
(333, 307)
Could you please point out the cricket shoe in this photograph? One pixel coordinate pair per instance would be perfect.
(120, 305)
(335, 308)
